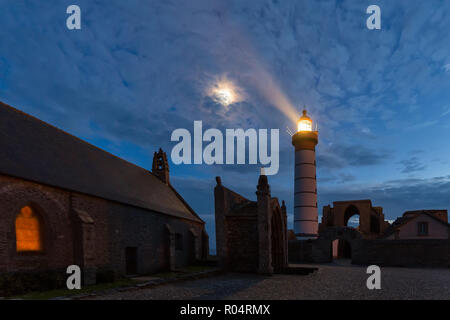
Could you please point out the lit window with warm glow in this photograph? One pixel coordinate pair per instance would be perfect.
(304, 125)
(28, 231)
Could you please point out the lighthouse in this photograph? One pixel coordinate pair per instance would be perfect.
(305, 186)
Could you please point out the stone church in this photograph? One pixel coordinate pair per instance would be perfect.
(64, 201)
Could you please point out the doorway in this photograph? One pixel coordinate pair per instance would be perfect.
(341, 249)
(131, 260)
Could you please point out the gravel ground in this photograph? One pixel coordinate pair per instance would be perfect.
(339, 280)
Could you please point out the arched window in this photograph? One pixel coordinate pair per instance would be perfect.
(28, 231)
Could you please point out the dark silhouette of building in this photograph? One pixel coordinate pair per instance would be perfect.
(64, 201)
(251, 236)
(371, 219)
(371, 223)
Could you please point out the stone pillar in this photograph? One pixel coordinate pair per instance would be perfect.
(264, 226)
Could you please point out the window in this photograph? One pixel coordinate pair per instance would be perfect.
(422, 228)
(178, 241)
(28, 231)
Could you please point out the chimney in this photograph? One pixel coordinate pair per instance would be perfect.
(160, 167)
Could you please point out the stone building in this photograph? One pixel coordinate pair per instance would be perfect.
(251, 236)
(418, 238)
(64, 201)
(420, 224)
(371, 219)
(371, 222)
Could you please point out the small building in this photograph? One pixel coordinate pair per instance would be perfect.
(420, 224)
(64, 201)
(251, 236)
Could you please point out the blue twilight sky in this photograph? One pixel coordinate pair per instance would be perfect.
(138, 69)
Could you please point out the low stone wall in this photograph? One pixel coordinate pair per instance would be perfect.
(300, 251)
(399, 253)
(309, 251)
(403, 253)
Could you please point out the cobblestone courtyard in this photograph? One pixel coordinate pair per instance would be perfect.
(332, 281)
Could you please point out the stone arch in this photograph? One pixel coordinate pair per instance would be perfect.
(43, 201)
(46, 231)
(346, 236)
(371, 219)
(349, 212)
(53, 211)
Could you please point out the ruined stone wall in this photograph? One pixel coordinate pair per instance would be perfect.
(242, 239)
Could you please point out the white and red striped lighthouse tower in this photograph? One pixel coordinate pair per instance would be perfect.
(305, 186)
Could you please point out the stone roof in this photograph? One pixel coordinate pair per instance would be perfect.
(34, 150)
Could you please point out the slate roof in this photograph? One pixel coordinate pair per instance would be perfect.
(34, 150)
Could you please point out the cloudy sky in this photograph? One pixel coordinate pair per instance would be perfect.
(137, 70)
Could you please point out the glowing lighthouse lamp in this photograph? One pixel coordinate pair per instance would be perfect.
(305, 123)
(305, 186)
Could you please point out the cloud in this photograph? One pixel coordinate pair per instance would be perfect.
(412, 164)
(395, 196)
(340, 156)
(446, 112)
(137, 71)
